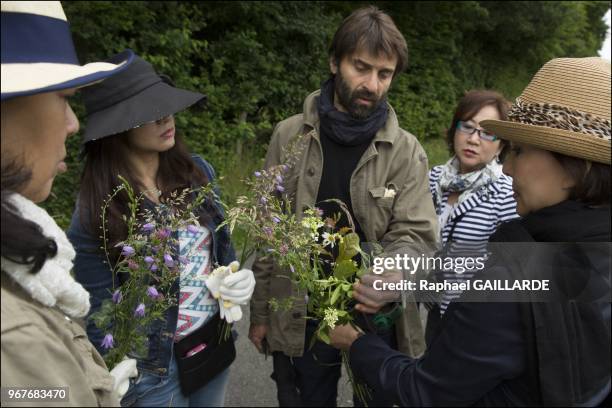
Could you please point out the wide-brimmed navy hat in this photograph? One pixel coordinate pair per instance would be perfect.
(135, 97)
(38, 54)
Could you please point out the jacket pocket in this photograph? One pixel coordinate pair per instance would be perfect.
(378, 194)
(280, 285)
(286, 330)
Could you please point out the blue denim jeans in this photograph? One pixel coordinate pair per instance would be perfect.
(155, 391)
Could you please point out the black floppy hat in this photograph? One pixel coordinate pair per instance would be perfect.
(136, 96)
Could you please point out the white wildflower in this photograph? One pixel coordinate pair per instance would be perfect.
(329, 239)
(331, 317)
(313, 224)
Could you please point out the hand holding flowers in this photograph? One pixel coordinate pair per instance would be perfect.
(321, 257)
(342, 337)
(372, 300)
(121, 375)
(147, 266)
(232, 287)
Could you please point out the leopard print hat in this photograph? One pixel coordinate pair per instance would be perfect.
(565, 109)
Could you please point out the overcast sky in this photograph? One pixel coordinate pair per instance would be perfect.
(605, 49)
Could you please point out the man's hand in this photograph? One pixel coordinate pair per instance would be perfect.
(342, 337)
(372, 300)
(257, 333)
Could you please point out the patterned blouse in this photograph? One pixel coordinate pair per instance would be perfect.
(196, 304)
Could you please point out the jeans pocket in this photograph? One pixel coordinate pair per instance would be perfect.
(143, 385)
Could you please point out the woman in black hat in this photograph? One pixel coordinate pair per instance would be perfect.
(131, 131)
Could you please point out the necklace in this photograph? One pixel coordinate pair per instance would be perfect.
(153, 193)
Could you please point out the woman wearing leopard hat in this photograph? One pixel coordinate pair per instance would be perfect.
(528, 348)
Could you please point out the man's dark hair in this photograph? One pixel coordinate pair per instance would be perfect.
(372, 30)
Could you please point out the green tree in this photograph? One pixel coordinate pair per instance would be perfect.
(257, 61)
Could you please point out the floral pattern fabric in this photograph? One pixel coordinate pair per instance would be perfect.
(453, 181)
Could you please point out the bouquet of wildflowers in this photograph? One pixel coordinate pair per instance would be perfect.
(151, 263)
(303, 247)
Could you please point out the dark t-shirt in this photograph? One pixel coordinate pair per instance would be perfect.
(339, 163)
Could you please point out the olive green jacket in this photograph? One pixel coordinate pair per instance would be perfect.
(43, 347)
(394, 160)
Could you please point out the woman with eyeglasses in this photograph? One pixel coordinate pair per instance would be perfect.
(471, 194)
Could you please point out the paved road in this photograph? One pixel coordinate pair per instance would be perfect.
(250, 384)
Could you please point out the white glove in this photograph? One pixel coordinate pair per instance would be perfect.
(214, 280)
(122, 374)
(230, 311)
(238, 287)
(232, 287)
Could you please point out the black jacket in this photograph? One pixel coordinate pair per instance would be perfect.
(516, 353)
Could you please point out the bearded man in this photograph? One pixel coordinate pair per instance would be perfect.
(356, 152)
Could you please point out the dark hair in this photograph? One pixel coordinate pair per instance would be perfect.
(105, 159)
(468, 106)
(23, 241)
(373, 30)
(592, 179)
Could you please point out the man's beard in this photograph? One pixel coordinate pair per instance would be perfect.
(348, 99)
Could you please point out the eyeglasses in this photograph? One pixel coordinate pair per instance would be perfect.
(469, 130)
(158, 122)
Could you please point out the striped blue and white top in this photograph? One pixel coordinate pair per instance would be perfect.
(472, 221)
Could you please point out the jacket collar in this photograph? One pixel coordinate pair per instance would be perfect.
(52, 285)
(569, 221)
(389, 133)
